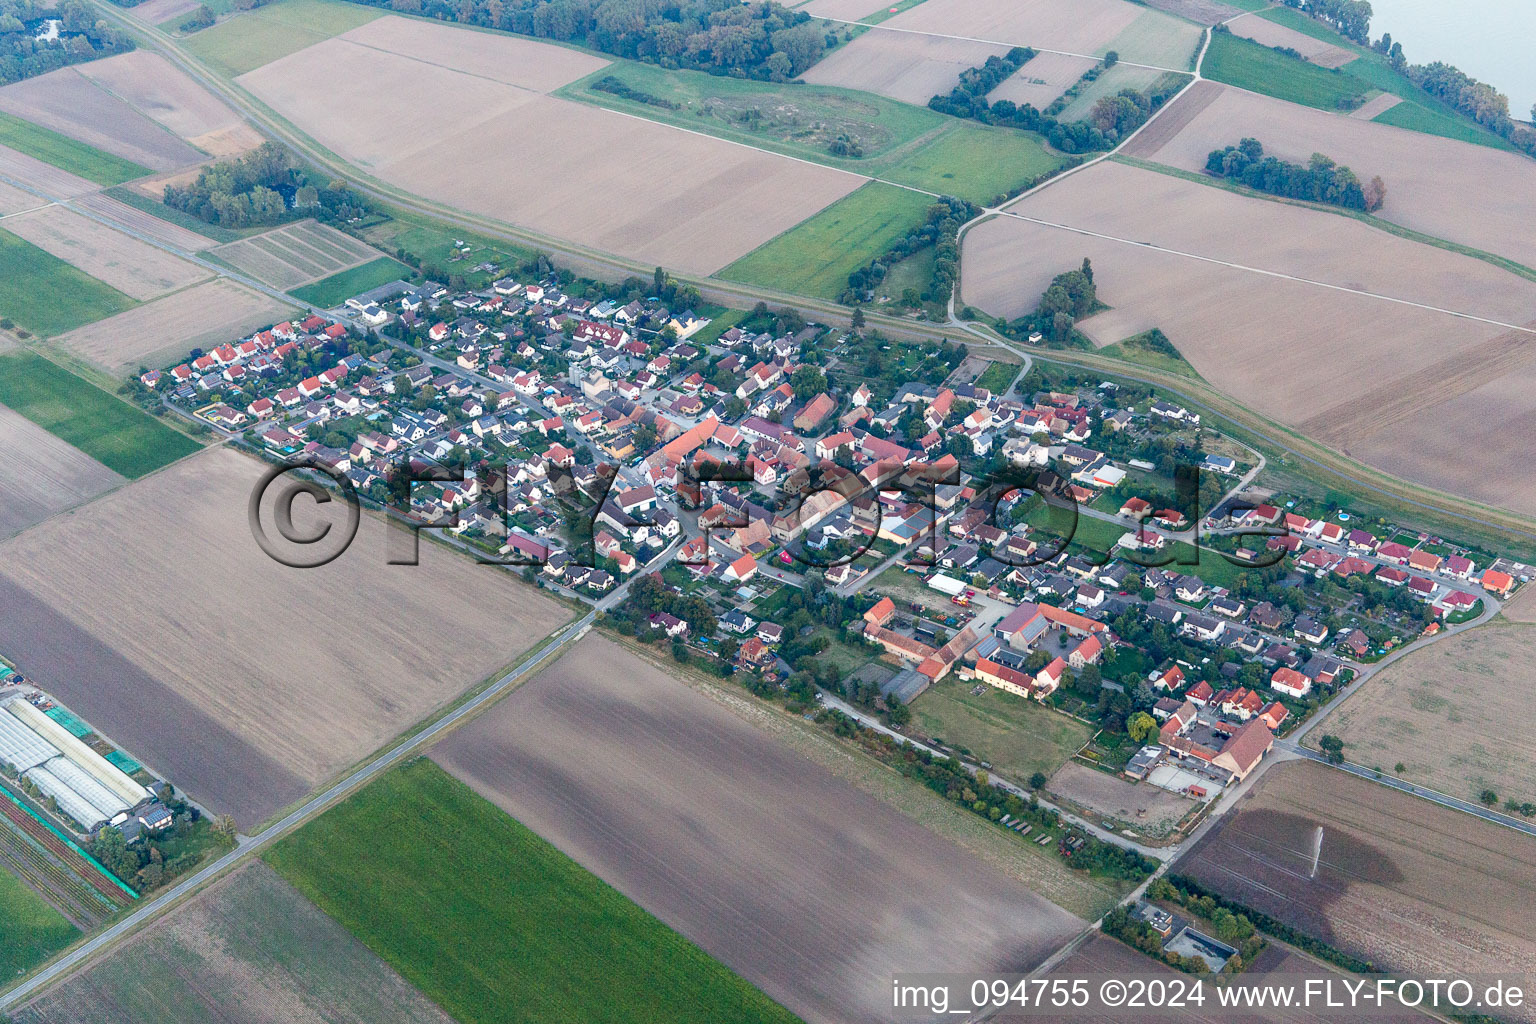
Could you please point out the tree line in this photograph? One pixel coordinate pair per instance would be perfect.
(1350, 18)
(263, 187)
(760, 40)
(82, 37)
(1112, 118)
(1320, 180)
(940, 229)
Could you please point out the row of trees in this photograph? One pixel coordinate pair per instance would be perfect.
(941, 229)
(760, 40)
(1112, 117)
(256, 189)
(1351, 18)
(1320, 180)
(81, 37)
(1478, 100)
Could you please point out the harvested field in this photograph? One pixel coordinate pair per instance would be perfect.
(1089, 27)
(156, 616)
(1045, 77)
(1235, 326)
(16, 200)
(248, 950)
(1473, 195)
(137, 269)
(71, 104)
(42, 475)
(252, 38)
(1410, 886)
(46, 178)
(1267, 33)
(1108, 957)
(905, 66)
(1139, 805)
(159, 90)
(159, 332)
(295, 254)
(143, 223)
(697, 817)
(1451, 714)
(514, 60)
(678, 199)
(1014, 734)
(1204, 12)
(1375, 106)
(158, 12)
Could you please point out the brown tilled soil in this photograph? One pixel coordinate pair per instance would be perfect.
(1474, 195)
(474, 141)
(155, 615)
(137, 269)
(71, 104)
(1408, 885)
(1268, 33)
(812, 890)
(41, 475)
(902, 65)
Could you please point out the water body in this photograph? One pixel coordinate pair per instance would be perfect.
(1488, 39)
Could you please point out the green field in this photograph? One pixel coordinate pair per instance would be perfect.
(253, 38)
(120, 436)
(974, 162)
(1249, 65)
(998, 377)
(494, 924)
(796, 120)
(47, 296)
(66, 153)
(816, 257)
(438, 247)
(31, 931)
(902, 143)
(338, 288)
(1014, 734)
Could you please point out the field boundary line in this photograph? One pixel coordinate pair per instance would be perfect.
(249, 846)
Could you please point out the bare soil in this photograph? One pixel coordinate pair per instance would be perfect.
(159, 332)
(154, 87)
(1408, 885)
(1268, 33)
(1470, 194)
(137, 269)
(621, 184)
(902, 65)
(247, 950)
(71, 104)
(1140, 806)
(1453, 714)
(1042, 79)
(144, 223)
(41, 475)
(156, 616)
(805, 886)
(42, 176)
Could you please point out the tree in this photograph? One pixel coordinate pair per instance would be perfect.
(1333, 748)
(1038, 780)
(1141, 726)
(808, 381)
(1488, 798)
(858, 318)
(897, 713)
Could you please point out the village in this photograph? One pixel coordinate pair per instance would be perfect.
(746, 462)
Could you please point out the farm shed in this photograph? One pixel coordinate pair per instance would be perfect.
(98, 767)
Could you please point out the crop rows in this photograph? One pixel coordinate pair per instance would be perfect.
(34, 866)
(51, 843)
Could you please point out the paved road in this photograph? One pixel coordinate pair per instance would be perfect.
(249, 846)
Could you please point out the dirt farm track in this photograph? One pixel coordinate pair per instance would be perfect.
(1404, 883)
(155, 615)
(808, 888)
